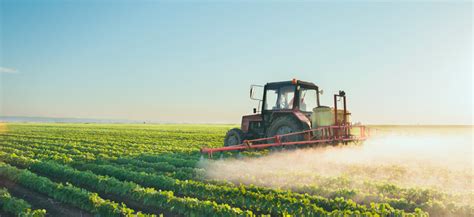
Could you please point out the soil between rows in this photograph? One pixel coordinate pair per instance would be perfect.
(128, 202)
(40, 201)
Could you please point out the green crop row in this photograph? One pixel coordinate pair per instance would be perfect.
(129, 190)
(67, 193)
(120, 140)
(18, 207)
(398, 203)
(248, 199)
(184, 173)
(240, 196)
(57, 153)
(257, 201)
(149, 197)
(171, 152)
(175, 160)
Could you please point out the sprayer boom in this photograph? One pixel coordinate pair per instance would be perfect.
(327, 135)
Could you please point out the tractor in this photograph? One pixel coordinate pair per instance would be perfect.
(289, 113)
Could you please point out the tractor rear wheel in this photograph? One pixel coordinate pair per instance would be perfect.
(285, 125)
(234, 137)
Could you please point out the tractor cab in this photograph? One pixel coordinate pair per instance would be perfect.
(290, 95)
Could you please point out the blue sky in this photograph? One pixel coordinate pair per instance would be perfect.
(193, 61)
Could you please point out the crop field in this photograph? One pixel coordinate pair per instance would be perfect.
(142, 170)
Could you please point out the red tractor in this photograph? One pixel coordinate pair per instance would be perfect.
(291, 114)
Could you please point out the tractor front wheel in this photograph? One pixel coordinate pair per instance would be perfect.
(234, 137)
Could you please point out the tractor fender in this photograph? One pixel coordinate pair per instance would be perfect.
(303, 118)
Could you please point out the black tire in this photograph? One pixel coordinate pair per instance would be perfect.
(286, 124)
(234, 137)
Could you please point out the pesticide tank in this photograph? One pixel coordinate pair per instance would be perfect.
(324, 116)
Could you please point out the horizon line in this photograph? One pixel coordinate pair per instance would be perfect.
(75, 120)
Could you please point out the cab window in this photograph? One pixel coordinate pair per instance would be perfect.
(308, 99)
(280, 98)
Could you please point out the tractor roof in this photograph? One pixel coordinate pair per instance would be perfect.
(286, 83)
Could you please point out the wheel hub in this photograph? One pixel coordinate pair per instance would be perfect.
(233, 140)
(284, 130)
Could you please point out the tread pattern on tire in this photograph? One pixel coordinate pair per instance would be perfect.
(287, 120)
(233, 131)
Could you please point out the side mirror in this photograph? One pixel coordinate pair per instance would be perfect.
(321, 92)
(255, 110)
(256, 92)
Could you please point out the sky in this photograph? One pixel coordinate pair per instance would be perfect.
(193, 61)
